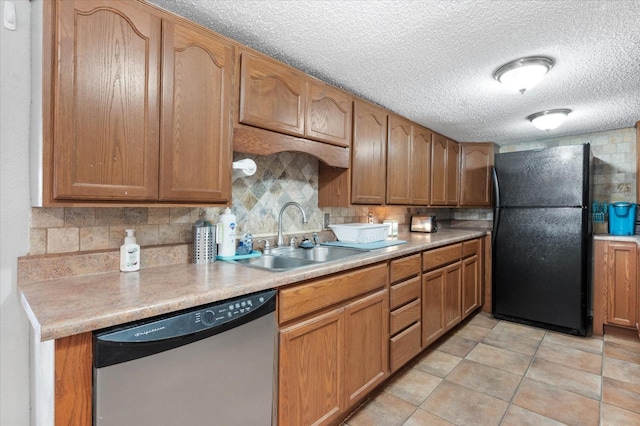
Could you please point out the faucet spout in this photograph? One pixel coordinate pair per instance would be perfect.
(304, 219)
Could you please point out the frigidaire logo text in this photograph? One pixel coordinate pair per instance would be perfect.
(152, 330)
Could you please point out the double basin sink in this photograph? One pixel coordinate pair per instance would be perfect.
(288, 258)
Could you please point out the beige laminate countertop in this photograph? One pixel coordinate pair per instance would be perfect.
(67, 306)
(609, 237)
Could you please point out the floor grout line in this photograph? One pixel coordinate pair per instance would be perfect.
(515, 392)
(547, 336)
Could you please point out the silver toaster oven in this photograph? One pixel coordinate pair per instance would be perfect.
(424, 224)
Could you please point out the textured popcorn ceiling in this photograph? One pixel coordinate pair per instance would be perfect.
(433, 61)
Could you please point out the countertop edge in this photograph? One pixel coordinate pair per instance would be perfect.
(72, 307)
(609, 237)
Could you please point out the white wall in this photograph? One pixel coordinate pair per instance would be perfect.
(15, 214)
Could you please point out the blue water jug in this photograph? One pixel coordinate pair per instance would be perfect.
(622, 218)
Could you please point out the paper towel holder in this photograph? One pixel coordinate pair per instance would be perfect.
(245, 167)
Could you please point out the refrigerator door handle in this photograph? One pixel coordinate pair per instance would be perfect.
(496, 206)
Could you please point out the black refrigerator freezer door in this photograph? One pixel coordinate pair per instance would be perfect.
(553, 177)
(539, 267)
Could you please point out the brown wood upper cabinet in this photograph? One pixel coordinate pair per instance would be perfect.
(399, 160)
(421, 166)
(369, 154)
(453, 172)
(109, 59)
(106, 103)
(276, 97)
(328, 115)
(272, 96)
(408, 163)
(476, 162)
(445, 168)
(194, 163)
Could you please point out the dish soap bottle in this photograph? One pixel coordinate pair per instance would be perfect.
(227, 232)
(129, 253)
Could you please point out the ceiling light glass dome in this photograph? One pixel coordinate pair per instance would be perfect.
(523, 74)
(549, 119)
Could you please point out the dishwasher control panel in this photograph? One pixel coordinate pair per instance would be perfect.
(192, 321)
(226, 311)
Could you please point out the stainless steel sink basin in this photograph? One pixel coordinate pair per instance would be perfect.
(324, 253)
(288, 258)
(275, 263)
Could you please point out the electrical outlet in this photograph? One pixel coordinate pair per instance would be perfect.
(327, 220)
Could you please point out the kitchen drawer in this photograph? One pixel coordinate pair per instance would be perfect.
(404, 346)
(404, 292)
(469, 248)
(303, 299)
(435, 258)
(404, 316)
(400, 269)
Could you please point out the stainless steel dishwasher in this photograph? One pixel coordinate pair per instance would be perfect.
(210, 365)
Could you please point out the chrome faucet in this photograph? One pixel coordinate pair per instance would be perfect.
(267, 246)
(304, 219)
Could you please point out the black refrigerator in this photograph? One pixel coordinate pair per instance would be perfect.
(542, 238)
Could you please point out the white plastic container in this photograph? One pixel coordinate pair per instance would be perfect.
(226, 234)
(360, 232)
(393, 227)
(130, 253)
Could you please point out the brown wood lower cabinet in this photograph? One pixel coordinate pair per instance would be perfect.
(471, 276)
(451, 287)
(616, 283)
(339, 336)
(334, 347)
(405, 310)
(365, 343)
(311, 370)
(73, 380)
(470, 284)
(432, 306)
(452, 295)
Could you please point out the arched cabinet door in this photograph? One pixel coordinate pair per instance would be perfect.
(272, 96)
(369, 154)
(476, 162)
(399, 160)
(421, 167)
(453, 172)
(328, 114)
(438, 170)
(196, 127)
(106, 106)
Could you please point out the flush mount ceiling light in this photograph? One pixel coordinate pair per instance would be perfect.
(550, 119)
(524, 73)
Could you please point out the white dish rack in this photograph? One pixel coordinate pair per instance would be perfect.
(360, 232)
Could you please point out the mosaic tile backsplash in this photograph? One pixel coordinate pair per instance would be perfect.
(257, 201)
(287, 177)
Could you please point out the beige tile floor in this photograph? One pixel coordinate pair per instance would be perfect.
(491, 372)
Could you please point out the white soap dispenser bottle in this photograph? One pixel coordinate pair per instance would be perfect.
(130, 253)
(227, 234)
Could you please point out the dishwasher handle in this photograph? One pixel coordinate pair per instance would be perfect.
(133, 341)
